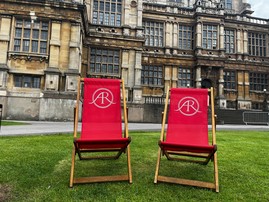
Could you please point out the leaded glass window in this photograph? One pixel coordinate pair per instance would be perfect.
(152, 75)
(153, 32)
(185, 77)
(31, 37)
(106, 12)
(105, 61)
(185, 37)
(210, 36)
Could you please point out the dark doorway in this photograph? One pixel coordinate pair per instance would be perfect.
(206, 83)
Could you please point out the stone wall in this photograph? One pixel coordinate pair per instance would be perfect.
(38, 109)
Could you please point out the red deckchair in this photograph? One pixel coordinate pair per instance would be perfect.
(101, 126)
(186, 138)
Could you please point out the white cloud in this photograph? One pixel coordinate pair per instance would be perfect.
(260, 8)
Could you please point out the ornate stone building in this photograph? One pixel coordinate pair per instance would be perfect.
(45, 45)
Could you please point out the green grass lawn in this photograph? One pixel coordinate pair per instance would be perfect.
(12, 123)
(36, 168)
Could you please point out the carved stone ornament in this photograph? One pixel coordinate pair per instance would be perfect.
(133, 4)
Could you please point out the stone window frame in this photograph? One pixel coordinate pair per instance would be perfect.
(31, 37)
(258, 81)
(210, 36)
(104, 62)
(257, 44)
(152, 75)
(27, 81)
(107, 12)
(154, 33)
(229, 40)
(185, 77)
(230, 79)
(185, 37)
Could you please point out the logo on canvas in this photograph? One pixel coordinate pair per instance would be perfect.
(102, 98)
(188, 106)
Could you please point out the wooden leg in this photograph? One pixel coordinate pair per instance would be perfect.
(129, 165)
(157, 166)
(72, 168)
(216, 172)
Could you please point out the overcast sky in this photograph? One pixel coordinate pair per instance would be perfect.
(260, 8)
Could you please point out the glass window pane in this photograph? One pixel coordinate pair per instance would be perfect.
(26, 33)
(25, 45)
(18, 81)
(44, 35)
(35, 34)
(27, 82)
(35, 46)
(18, 32)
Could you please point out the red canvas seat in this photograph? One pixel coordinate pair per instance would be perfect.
(186, 138)
(101, 126)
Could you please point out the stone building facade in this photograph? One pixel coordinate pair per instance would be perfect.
(46, 45)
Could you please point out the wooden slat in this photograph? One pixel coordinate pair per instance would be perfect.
(195, 183)
(83, 180)
(126, 132)
(201, 155)
(124, 110)
(164, 114)
(100, 150)
(76, 110)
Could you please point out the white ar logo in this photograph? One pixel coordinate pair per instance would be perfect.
(102, 98)
(188, 106)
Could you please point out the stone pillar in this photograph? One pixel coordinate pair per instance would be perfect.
(245, 45)
(126, 13)
(126, 20)
(240, 88)
(89, 8)
(139, 12)
(199, 34)
(4, 38)
(243, 100)
(5, 27)
(74, 66)
(246, 85)
(125, 65)
(222, 101)
(138, 68)
(221, 82)
(55, 44)
(75, 48)
(53, 72)
(174, 76)
(198, 78)
(221, 40)
(139, 26)
(137, 91)
(168, 36)
(167, 78)
(175, 38)
(238, 44)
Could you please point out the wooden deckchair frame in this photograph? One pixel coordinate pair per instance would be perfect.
(128, 176)
(206, 157)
